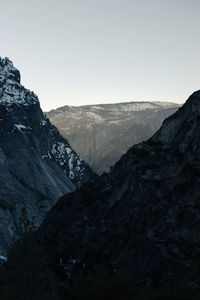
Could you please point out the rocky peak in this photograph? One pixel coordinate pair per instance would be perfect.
(174, 124)
(193, 103)
(8, 71)
(11, 90)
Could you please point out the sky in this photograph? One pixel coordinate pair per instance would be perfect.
(76, 52)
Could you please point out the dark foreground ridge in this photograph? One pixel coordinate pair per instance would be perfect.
(143, 216)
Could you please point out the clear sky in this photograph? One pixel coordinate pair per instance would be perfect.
(74, 52)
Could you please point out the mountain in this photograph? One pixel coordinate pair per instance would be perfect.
(142, 216)
(37, 165)
(102, 133)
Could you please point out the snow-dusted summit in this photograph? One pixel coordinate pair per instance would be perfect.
(37, 165)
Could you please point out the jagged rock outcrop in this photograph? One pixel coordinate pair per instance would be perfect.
(37, 165)
(144, 215)
(102, 133)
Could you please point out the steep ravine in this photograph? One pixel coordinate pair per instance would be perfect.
(143, 215)
(102, 133)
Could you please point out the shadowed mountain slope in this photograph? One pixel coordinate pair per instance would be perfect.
(37, 165)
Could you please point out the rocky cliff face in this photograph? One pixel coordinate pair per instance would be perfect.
(143, 215)
(37, 165)
(102, 133)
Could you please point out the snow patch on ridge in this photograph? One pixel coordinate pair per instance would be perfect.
(64, 155)
(20, 126)
(3, 261)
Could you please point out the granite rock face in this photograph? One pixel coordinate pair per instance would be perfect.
(37, 165)
(144, 215)
(102, 133)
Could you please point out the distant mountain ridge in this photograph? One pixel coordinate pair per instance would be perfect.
(102, 133)
(37, 165)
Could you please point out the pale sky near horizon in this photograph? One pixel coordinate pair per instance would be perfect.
(75, 52)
